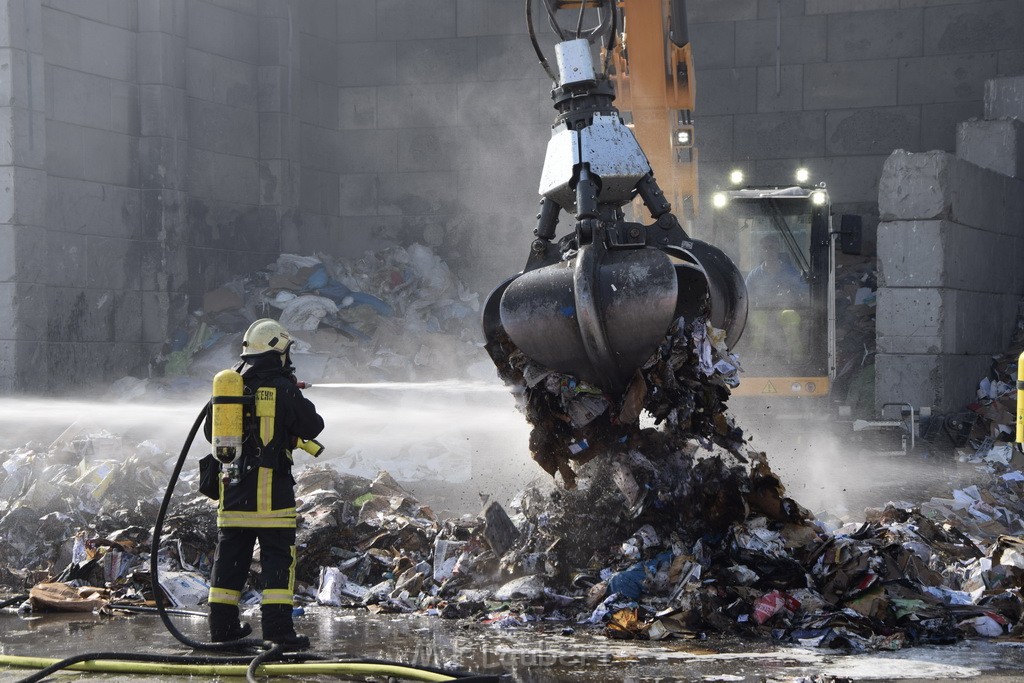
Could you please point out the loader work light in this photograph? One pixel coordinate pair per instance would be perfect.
(719, 200)
(802, 175)
(736, 177)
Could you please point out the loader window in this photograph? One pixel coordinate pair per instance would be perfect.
(771, 245)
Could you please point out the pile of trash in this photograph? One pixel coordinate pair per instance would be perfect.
(684, 386)
(94, 483)
(990, 421)
(659, 539)
(394, 313)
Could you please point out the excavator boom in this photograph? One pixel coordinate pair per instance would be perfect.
(597, 302)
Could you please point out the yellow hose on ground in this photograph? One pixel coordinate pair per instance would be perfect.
(299, 669)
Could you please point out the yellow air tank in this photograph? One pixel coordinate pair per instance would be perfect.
(226, 432)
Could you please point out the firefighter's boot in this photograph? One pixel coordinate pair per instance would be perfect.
(278, 628)
(224, 624)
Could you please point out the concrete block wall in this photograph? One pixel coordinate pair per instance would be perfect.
(432, 128)
(949, 245)
(848, 82)
(159, 147)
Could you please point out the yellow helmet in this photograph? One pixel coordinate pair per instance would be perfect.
(265, 335)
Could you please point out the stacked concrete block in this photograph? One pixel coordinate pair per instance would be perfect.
(995, 145)
(949, 286)
(1004, 98)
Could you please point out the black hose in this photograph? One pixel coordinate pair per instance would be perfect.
(13, 601)
(154, 569)
(536, 45)
(272, 653)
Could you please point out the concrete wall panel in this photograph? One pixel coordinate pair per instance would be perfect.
(358, 193)
(780, 90)
(939, 123)
(506, 58)
(222, 31)
(1011, 62)
(448, 60)
(367, 151)
(357, 108)
(872, 131)
(1004, 98)
(779, 135)
(850, 84)
(715, 139)
(832, 6)
(973, 28)
(727, 91)
(220, 79)
(489, 18)
(219, 128)
(442, 149)
(416, 193)
(403, 20)
(995, 145)
(357, 20)
(927, 80)
(367, 64)
(850, 178)
(62, 37)
(496, 103)
(769, 9)
(874, 35)
(803, 40)
(705, 11)
(714, 45)
(318, 58)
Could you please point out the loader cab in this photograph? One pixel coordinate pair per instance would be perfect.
(779, 239)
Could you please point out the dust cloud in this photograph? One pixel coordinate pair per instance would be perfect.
(826, 470)
(470, 431)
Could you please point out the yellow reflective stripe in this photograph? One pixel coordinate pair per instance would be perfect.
(264, 490)
(256, 514)
(291, 572)
(279, 519)
(266, 407)
(224, 596)
(278, 596)
(257, 524)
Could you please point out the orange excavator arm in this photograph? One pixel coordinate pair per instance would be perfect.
(654, 81)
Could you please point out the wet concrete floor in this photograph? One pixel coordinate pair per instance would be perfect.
(533, 655)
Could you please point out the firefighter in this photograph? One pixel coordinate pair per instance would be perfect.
(256, 489)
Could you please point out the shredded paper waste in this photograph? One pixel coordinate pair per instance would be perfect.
(671, 530)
